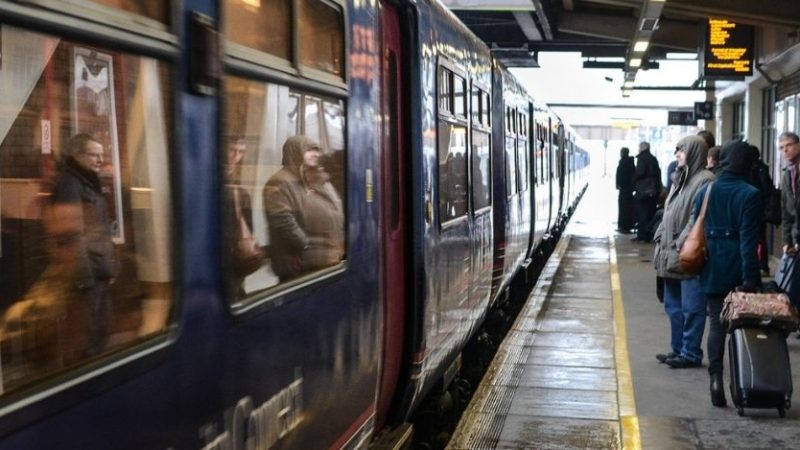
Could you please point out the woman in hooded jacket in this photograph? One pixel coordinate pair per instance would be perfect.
(683, 299)
(732, 222)
(304, 213)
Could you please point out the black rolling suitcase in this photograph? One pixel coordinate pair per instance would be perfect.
(761, 376)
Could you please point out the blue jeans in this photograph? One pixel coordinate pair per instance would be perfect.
(694, 319)
(686, 308)
(672, 306)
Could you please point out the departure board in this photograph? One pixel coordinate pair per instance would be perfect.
(728, 51)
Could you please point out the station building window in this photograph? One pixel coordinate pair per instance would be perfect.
(739, 111)
(85, 193)
(283, 209)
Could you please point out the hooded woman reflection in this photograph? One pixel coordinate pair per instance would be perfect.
(304, 213)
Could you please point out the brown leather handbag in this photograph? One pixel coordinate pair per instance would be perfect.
(693, 254)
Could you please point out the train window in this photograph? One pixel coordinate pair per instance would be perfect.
(159, 11)
(245, 22)
(511, 166)
(522, 157)
(283, 207)
(85, 190)
(481, 170)
(476, 106)
(459, 96)
(487, 110)
(445, 90)
(452, 171)
(321, 44)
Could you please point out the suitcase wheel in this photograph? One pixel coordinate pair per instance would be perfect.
(740, 411)
(781, 412)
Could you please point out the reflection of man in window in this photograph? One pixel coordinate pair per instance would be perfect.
(305, 215)
(95, 265)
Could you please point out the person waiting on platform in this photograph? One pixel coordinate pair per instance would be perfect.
(304, 212)
(712, 161)
(732, 223)
(647, 184)
(625, 171)
(683, 300)
(789, 145)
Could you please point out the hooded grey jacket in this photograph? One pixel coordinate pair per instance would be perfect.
(678, 208)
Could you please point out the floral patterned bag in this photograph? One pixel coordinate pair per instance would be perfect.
(747, 308)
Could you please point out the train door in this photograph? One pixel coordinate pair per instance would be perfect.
(392, 228)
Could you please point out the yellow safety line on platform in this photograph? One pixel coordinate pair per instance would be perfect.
(628, 420)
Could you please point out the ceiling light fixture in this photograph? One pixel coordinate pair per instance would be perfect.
(641, 46)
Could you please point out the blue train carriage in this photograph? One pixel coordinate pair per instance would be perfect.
(512, 181)
(302, 331)
(451, 163)
(190, 336)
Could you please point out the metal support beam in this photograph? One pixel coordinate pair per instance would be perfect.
(527, 25)
(543, 21)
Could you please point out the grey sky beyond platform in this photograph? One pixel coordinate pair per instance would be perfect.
(560, 379)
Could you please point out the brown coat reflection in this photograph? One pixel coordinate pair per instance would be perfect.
(304, 213)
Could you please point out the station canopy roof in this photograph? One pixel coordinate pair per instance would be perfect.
(604, 30)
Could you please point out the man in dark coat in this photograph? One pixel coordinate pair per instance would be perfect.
(625, 171)
(647, 184)
(95, 265)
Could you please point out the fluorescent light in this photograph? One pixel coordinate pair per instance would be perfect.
(635, 62)
(627, 85)
(640, 46)
(682, 56)
(626, 92)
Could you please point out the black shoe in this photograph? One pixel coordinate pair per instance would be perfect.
(663, 357)
(679, 362)
(717, 391)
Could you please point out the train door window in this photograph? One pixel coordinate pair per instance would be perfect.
(481, 153)
(321, 45)
(510, 154)
(445, 91)
(459, 97)
(452, 171)
(522, 154)
(159, 11)
(285, 187)
(86, 257)
(475, 115)
(486, 113)
(452, 144)
(246, 22)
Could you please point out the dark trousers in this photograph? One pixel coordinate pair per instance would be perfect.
(645, 210)
(716, 334)
(100, 314)
(625, 205)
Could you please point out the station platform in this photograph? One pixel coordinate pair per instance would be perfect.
(578, 368)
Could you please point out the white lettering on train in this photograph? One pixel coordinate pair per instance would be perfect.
(248, 428)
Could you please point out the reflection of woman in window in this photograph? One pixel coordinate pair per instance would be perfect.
(305, 215)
